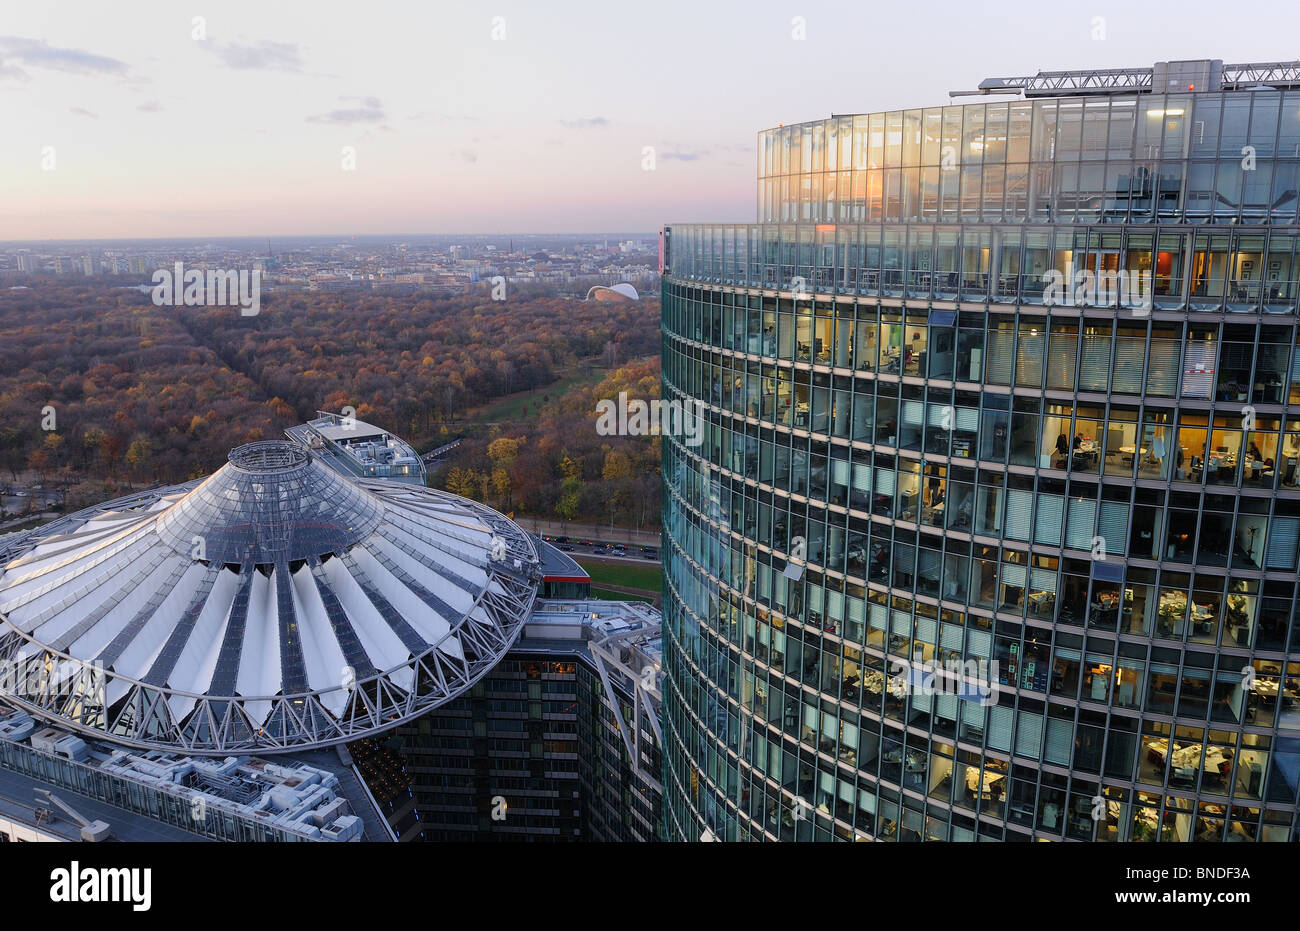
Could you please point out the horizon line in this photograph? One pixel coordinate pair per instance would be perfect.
(322, 236)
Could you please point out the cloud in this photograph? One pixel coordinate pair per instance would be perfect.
(80, 111)
(369, 110)
(259, 56)
(595, 122)
(151, 106)
(425, 115)
(684, 156)
(17, 54)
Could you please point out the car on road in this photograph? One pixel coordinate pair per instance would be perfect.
(649, 552)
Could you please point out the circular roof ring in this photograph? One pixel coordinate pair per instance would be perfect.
(276, 605)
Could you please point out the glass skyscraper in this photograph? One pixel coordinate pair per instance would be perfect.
(922, 448)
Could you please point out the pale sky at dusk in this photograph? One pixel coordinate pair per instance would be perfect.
(156, 134)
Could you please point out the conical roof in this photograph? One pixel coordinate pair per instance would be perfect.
(275, 605)
(271, 503)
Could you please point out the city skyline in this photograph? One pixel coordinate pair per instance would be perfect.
(467, 121)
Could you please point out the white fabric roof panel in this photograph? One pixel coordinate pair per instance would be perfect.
(398, 569)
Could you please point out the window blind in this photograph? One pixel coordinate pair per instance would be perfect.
(1049, 520)
(1095, 368)
(1130, 356)
(1062, 360)
(1060, 739)
(1001, 353)
(1000, 726)
(1019, 511)
(834, 605)
(1082, 522)
(1042, 580)
(1162, 368)
(1029, 359)
(1114, 527)
(1029, 736)
(1282, 538)
(885, 482)
(1198, 369)
(1013, 574)
(925, 629)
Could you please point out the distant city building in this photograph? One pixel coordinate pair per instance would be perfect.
(339, 283)
(615, 294)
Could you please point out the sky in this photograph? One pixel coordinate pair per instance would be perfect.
(143, 119)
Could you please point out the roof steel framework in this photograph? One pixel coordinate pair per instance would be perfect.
(1277, 74)
(274, 606)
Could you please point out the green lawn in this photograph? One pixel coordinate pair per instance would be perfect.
(643, 578)
(512, 408)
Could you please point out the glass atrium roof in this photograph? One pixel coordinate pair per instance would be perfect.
(275, 605)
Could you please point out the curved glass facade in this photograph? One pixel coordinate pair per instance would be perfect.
(915, 451)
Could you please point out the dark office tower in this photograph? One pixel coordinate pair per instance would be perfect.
(1009, 388)
(557, 743)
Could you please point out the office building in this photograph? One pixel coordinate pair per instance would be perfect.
(560, 742)
(358, 449)
(1009, 387)
(261, 655)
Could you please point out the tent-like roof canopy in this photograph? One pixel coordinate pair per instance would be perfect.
(275, 605)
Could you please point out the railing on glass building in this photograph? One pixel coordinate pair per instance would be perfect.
(1238, 271)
